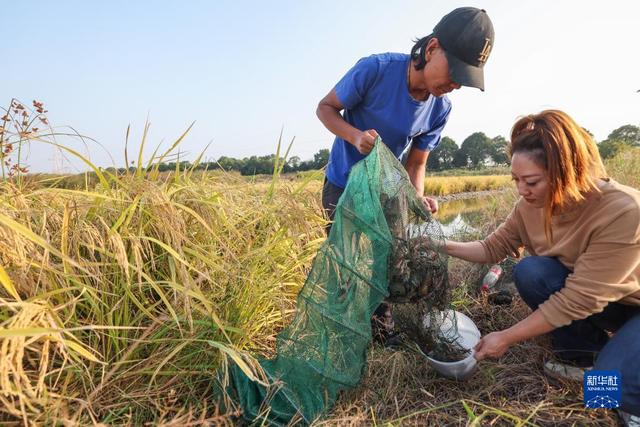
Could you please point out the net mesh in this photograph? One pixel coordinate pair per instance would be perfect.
(381, 246)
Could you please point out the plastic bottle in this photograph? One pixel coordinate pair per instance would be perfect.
(491, 278)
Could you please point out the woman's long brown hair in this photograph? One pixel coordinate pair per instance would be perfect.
(567, 152)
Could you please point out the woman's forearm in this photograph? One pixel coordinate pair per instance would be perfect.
(532, 326)
(468, 251)
(497, 343)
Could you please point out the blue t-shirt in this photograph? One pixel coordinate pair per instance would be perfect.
(375, 96)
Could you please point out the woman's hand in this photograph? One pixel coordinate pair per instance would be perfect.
(364, 141)
(493, 345)
(496, 344)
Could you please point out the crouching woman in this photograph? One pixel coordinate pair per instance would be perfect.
(582, 230)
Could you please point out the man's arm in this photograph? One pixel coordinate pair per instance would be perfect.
(416, 165)
(328, 112)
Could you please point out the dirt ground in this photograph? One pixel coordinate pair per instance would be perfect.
(400, 388)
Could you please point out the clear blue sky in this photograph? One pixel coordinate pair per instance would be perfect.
(244, 69)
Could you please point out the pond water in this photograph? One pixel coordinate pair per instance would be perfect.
(460, 217)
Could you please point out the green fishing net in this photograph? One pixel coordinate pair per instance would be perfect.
(382, 245)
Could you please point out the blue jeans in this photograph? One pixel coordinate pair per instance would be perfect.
(586, 340)
(330, 196)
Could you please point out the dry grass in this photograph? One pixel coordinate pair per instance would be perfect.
(119, 301)
(433, 185)
(119, 304)
(624, 167)
(399, 388)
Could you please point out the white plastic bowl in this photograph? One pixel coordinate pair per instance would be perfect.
(467, 335)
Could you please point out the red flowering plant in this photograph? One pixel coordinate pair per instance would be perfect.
(18, 126)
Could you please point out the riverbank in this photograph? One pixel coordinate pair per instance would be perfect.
(471, 195)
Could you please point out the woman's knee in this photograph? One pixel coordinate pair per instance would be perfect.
(537, 278)
(525, 277)
(524, 270)
(629, 380)
(622, 354)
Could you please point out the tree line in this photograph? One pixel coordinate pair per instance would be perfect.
(479, 150)
(256, 165)
(476, 151)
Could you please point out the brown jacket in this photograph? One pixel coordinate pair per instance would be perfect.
(597, 239)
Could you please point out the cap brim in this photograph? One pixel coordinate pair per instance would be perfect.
(465, 74)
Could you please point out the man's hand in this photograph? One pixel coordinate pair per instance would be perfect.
(493, 345)
(364, 141)
(430, 203)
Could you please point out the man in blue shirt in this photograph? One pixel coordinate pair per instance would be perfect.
(402, 98)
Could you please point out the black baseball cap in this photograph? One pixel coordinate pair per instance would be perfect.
(466, 35)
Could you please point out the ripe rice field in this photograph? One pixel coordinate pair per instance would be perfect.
(444, 185)
(121, 300)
